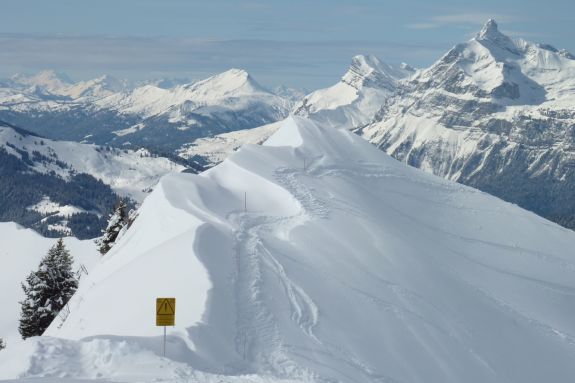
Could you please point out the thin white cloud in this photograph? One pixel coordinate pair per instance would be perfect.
(459, 19)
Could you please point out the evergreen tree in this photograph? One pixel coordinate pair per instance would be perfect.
(118, 220)
(47, 291)
(2, 344)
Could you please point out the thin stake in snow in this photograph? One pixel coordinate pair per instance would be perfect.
(165, 315)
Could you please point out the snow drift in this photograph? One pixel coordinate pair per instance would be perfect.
(346, 266)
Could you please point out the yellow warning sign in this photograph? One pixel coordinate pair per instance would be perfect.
(165, 311)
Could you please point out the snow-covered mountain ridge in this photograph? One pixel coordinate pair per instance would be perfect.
(352, 268)
(357, 97)
(493, 113)
(230, 89)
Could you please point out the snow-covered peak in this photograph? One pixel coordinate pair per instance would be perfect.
(368, 70)
(52, 83)
(365, 64)
(358, 96)
(99, 87)
(510, 72)
(48, 80)
(490, 36)
(45, 77)
(289, 93)
(490, 30)
(231, 83)
(232, 89)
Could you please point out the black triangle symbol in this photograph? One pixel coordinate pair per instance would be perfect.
(166, 308)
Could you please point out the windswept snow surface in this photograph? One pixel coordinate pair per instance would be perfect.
(20, 253)
(356, 268)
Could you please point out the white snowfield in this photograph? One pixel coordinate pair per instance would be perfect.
(354, 268)
(129, 173)
(20, 253)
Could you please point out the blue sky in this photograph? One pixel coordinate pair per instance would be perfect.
(302, 43)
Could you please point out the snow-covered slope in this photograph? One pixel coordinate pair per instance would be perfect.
(68, 188)
(354, 100)
(354, 268)
(493, 113)
(129, 173)
(20, 252)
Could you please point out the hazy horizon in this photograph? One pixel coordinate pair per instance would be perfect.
(300, 44)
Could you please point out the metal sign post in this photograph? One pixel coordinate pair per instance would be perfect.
(165, 314)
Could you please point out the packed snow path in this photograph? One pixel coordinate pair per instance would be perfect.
(355, 268)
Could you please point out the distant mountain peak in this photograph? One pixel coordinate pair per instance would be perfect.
(51, 75)
(366, 62)
(490, 29)
(491, 35)
(231, 82)
(47, 79)
(368, 70)
(235, 76)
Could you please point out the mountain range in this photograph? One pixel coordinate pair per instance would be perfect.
(106, 111)
(493, 113)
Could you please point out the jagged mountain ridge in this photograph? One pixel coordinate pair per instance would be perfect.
(358, 96)
(493, 113)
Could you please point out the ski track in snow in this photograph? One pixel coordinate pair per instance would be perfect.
(258, 337)
(429, 304)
